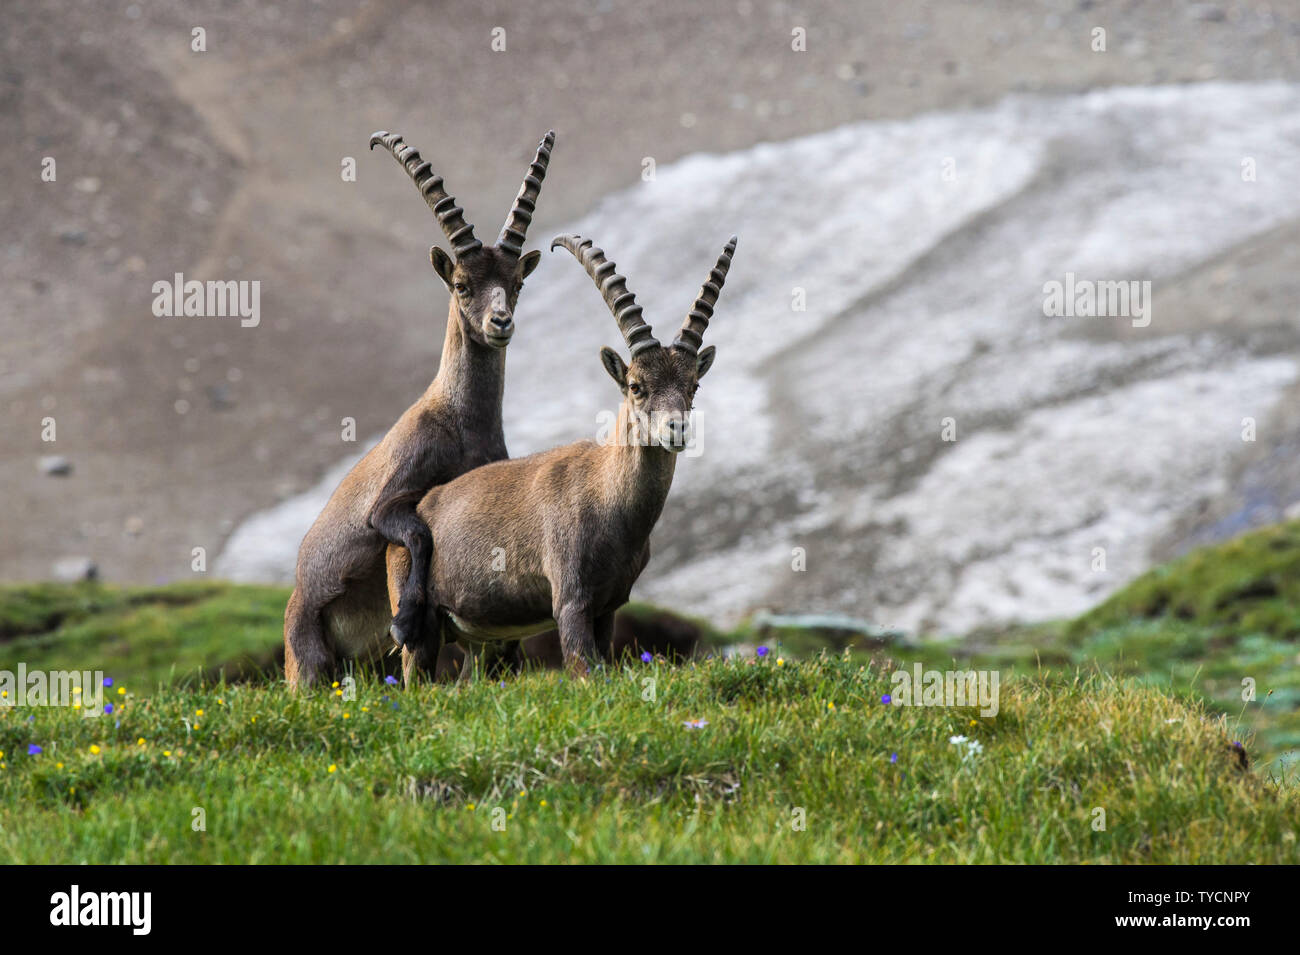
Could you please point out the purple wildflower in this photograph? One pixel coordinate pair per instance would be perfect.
(390, 680)
(893, 757)
(645, 656)
(108, 681)
(886, 699)
(108, 707)
(762, 651)
(34, 750)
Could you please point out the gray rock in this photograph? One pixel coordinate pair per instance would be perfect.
(1206, 12)
(71, 570)
(220, 397)
(56, 465)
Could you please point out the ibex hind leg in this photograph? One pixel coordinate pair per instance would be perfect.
(577, 639)
(308, 658)
(602, 632)
(503, 658)
(472, 668)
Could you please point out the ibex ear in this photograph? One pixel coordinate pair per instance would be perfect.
(615, 365)
(527, 264)
(704, 361)
(442, 264)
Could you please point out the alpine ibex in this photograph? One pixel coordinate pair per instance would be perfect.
(338, 605)
(571, 525)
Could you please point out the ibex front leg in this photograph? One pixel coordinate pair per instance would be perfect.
(472, 668)
(577, 637)
(399, 523)
(417, 658)
(420, 661)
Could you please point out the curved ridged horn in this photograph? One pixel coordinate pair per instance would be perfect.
(613, 288)
(697, 320)
(450, 216)
(515, 230)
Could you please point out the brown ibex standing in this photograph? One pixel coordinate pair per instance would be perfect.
(338, 606)
(559, 537)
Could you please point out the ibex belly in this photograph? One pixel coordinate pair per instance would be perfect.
(358, 621)
(487, 633)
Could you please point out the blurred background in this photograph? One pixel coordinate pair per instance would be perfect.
(903, 187)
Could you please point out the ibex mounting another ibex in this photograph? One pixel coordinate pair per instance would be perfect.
(338, 606)
(559, 537)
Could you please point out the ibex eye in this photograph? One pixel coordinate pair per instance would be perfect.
(635, 388)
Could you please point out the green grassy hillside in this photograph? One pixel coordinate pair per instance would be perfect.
(1199, 626)
(1135, 708)
(145, 635)
(750, 760)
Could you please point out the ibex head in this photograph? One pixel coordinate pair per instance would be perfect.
(659, 383)
(484, 281)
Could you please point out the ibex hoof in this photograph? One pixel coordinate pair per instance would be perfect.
(399, 635)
